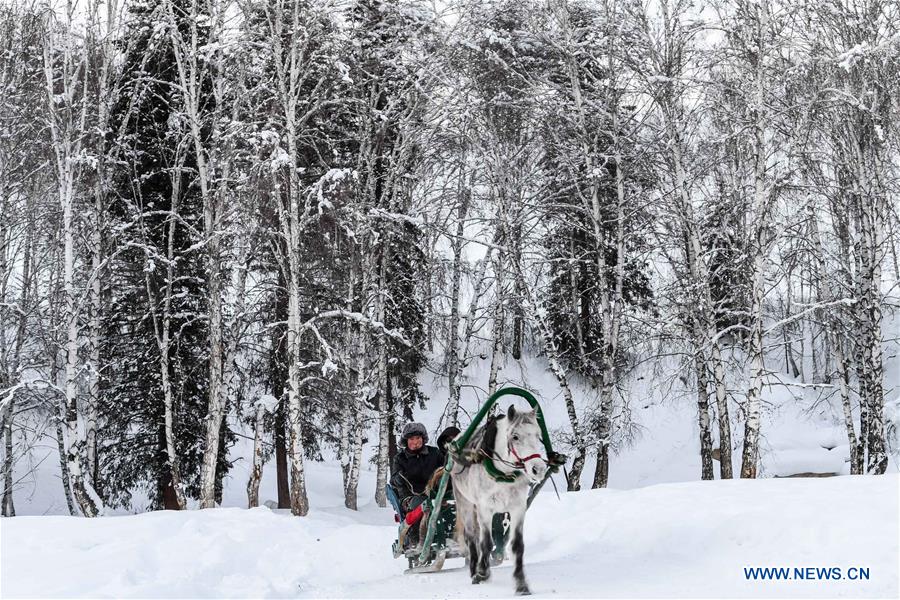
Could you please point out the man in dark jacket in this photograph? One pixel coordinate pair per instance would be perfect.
(412, 469)
(413, 466)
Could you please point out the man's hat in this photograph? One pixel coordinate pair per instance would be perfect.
(411, 429)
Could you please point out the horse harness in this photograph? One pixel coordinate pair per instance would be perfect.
(486, 456)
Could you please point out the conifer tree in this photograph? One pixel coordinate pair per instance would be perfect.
(155, 352)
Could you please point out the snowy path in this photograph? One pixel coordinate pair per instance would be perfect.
(671, 540)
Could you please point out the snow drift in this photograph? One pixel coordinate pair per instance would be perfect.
(670, 540)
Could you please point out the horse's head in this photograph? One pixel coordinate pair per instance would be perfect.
(523, 444)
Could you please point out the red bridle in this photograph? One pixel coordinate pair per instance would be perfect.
(520, 462)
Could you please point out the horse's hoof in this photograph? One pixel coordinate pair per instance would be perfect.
(522, 590)
(479, 577)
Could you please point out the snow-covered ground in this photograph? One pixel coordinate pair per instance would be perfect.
(669, 540)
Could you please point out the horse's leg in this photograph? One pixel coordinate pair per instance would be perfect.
(467, 524)
(472, 529)
(486, 543)
(517, 520)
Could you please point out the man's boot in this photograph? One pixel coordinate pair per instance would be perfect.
(403, 537)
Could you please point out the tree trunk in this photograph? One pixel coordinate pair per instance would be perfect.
(872, 199)
(496, 346)
(750, 456)
(63, 463)
(353, 426)
(96, 302)
(874, 368)
(216, 411)
(604, 432)
(171, 481)
(384, 420)
(237, 309)
(8, 509)
(281, 468)
(856, 459)
(80, 486)
(706, 465)
(862, 381)
(456, 389)
(725, 466)
(351, 493)
(499, 316)
(299, 501)
(381, 478)
(454, 369)
(66, 133)
(211, 190)
(6, 373)
(518, 320)
(167, 497)
(256, 471)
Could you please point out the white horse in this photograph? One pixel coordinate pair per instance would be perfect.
(513, 442)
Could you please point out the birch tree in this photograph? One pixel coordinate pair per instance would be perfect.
(605, 178)
(752, 51)
(668, 63)
(22, 162)
(66, 72)
(854, 66)
(197, 32)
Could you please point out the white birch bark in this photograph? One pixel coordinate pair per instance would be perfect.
(257, 468)
(355, 415)
(382, 474)
(356, 448)
(760, 244)
(872, 234)
(104, 28)
(454, 364)
(498, 316)
(7, 373)
(67, 125)
(7, 507)
(703, 419)
(299, 502)
(256, 471)
(452, 412)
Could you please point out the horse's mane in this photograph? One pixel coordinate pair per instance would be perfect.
(485, 438)
(489, 438)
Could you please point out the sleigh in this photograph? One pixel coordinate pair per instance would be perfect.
(437, 542)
